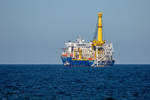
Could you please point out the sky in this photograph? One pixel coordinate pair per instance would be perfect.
(34, 31)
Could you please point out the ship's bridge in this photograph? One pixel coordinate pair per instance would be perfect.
(80, 43)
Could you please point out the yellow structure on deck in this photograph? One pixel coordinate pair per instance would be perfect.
(80, 54)
(99, 41)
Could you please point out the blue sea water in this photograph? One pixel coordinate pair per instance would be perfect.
(57, 82)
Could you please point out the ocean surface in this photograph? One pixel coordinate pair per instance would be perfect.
(57, 82)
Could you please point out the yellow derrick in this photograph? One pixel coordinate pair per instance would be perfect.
(99, 41)
(100, 27)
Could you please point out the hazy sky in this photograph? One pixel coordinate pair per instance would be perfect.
(34, 31)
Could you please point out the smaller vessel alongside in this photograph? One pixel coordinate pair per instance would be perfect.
(96, 53)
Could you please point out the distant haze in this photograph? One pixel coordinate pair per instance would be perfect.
(34, 31)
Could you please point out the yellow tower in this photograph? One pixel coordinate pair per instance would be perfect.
(99, 41)
(100, 27)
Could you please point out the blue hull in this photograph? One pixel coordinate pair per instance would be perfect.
(69, 62)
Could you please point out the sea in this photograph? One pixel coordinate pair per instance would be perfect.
(58, 82)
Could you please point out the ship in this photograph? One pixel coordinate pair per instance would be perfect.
(95, 53)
